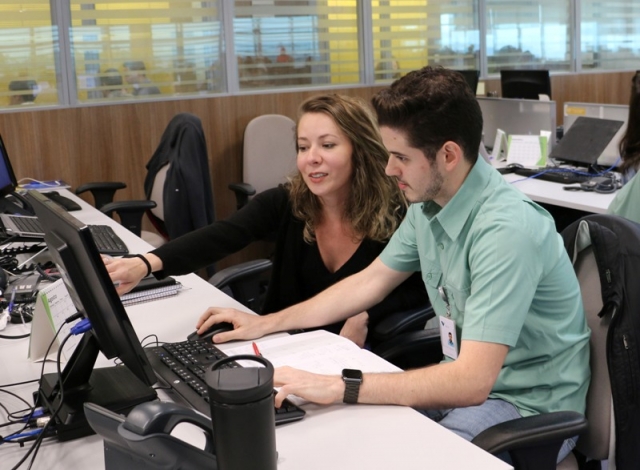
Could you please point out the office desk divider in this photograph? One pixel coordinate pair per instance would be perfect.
(515, 116)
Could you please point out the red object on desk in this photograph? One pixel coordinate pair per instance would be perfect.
(255, 349)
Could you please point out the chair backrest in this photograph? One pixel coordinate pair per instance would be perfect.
(612, 403)
(594, 443)
(269, 152)
(157, 190)
(185, 198)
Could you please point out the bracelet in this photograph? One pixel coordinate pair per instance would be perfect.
(144, 260)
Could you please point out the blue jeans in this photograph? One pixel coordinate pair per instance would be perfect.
(470, 421)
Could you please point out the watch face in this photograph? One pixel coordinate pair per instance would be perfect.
(352, 374)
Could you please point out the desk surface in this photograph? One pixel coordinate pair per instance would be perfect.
(329, 437)
(554, 193)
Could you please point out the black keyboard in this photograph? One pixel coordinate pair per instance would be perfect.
(553, 175)
(107, 241)
(182, 366)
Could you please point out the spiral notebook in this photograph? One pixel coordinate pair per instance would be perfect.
(151, 288)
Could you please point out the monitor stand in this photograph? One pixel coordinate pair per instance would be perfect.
(115, 388)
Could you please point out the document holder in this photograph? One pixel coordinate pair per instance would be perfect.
(143, 439)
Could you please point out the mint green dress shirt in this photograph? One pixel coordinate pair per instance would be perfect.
(508, 280)
(627, 202)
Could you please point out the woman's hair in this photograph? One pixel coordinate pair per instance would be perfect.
(630, 143)
(375, 205)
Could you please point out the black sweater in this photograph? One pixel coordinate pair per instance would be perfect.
(298, 271)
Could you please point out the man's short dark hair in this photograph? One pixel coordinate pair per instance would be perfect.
(431, 106)
(24, 85)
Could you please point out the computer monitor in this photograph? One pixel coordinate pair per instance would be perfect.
(8, 185)
(527, 84)
(118, 388)
(471, 77)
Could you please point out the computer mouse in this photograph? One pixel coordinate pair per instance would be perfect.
(510, 168)
(208, 334)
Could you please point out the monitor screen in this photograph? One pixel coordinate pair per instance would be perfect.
(525, 84)
(121, 387)
(8, 182)
(471, 77)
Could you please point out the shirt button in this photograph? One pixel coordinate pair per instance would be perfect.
(441, 246)
(429, 276)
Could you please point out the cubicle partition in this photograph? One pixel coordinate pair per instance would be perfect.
(515, 116)
(573, 110)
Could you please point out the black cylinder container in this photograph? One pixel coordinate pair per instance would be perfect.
(242, 412)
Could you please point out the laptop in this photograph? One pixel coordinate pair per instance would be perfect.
(585, 141)
(21, 226)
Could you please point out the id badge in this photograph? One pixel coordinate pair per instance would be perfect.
(448, 337)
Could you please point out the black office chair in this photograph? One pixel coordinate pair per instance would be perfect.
(603, 248)
(177, 186)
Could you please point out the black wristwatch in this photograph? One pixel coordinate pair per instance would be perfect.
(352, 379)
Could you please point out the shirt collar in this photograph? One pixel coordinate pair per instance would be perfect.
(455, 213)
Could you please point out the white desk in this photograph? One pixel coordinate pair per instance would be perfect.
(548, 192)
(329, 437)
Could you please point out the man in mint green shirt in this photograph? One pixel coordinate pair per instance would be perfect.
(495, 268)
(627, 201)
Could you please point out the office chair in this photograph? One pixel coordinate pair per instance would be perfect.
(245, 282)
(269, 155)
(177, 186)
(603, 248)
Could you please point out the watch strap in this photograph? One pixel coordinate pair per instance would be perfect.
(351, 389)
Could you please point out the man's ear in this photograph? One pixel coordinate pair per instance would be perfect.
(452, 154)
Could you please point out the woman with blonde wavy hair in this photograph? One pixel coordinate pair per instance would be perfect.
(331, 219)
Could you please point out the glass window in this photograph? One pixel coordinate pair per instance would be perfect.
(528, 35)
(124, 50)
(293, 43)
(610, 34)
(28, 50)
(409, 34)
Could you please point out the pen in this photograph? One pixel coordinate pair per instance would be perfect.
(13, 298)
(255, 349)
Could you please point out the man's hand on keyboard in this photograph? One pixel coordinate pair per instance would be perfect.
(246, 325)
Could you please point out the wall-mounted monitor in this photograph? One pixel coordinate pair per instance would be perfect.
(525, 84)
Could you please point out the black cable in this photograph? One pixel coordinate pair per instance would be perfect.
(153, 343)
(16, 396)
(45, 275)
(19, 383)
(15, 337)
(36, 445)
(40, 438)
